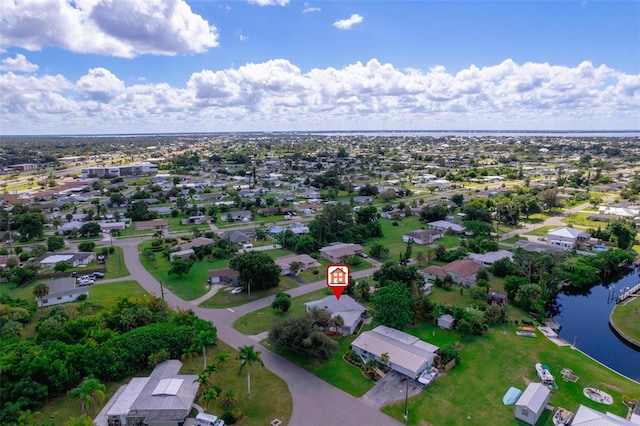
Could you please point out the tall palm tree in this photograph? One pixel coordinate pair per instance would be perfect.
(248, 356)
(89, 392)
(211, 368)
(205, 338)
(40, 291)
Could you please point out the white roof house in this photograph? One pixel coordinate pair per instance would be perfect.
(489, 258)
(443, 225)
(566, 237)
(532, 403)
(165, 397)
(586, 416)
(62, 290)
(407, 354)
(350, 311)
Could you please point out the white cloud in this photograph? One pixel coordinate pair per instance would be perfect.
(243, 37)
(309, 9)
(269, 2)
(18, 64)
(277, 95)
(346, 24)
(124, 28)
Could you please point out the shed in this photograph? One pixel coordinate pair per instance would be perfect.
(532, 403)
(446, 321)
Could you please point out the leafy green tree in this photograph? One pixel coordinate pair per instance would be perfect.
(228, 399)
(248, 357)
(366, 215)
(379, 251)
(304, 334)
(393, 305)
(478, 228)
(139, 211)
(55, 242)
(30, 225)
(448, 352)
(79, 421)
(22, 276)
(623, 233)
(512, 285)
(209, 395)
(392, 271)
(86, 246)
(180, 266)
(458, 199)
(221, 358)
(62, 266)
(258, 271)
(90, 392)
(433, 213)
(90, 229)
(282, 302)
(331, 224)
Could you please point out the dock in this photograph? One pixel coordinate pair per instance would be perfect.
(552, 324)
(628, 293)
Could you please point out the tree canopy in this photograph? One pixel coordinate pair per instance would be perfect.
(393, 305)
(258, 271)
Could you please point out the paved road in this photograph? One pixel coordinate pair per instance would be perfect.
(315, 402)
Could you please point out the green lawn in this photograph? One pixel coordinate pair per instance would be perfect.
(176, 226)
(336, 370)
(393, 234)
(224, 299)
(116, 267)
(189, 286)
(582, 219)
(491, 364)
(540, 231)
(627, 318)
(513, 240)
(261, 320)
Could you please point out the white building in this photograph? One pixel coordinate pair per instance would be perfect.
(62, 290)
(586, 416)
(566, 237)
(532, 402)
(408, 355)
(351, 311)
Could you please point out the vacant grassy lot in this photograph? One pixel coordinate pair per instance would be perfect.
(116, 267)
(258, 321)
(176, 226)
(224, 299)
(491, 364)
(627, 318)
(582, 219)
(309, 277)
(187, 287)
(541, 231)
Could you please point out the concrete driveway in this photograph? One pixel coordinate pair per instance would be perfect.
(392, 387)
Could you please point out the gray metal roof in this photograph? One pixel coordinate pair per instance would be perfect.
(534, 397)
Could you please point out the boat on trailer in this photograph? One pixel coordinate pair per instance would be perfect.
(543, 373)
(562, 417)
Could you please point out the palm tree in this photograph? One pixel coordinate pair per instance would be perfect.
(40, 291)
(208, 396)
(385, 358)
(205, 338)
(248, 356)
(157, 235)
(228, 399)
(211, 368)
(89, 392)
(221, 358)
(203, 381)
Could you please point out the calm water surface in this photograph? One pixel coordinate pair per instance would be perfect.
(585, 318)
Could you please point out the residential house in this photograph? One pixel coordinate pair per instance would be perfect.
(362, 199)
(586, 416)
(422, 237)
(196, 242)
(236, 237)
(224, 276)
(304, 260)
(182, 254)
(194, 220)
(62, 290)
(392, 214)
(152, 225)
(49, 260)
(164, 398)
(444, 226)
(462, 272)
(5, 259)
(536, 247)
(351, 312)
(162, 211)
(532, 403)
(337, 252)
(566, 237)
(489, 258)
(240, 215)
(407, 354)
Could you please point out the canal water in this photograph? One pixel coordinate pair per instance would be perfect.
(585, 320)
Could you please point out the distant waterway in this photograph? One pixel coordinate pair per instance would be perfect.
(585, 320)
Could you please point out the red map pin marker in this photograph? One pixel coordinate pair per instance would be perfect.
(338, 278)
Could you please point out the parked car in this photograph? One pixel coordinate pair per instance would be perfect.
(236, 290)
(98, 275)
(84, 283)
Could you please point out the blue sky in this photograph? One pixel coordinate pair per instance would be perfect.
(170, 65)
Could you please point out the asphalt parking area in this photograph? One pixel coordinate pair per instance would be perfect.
(392, 387)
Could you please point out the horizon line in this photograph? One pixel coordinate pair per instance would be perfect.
(125, 134)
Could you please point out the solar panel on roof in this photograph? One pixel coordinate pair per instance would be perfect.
(168, 387)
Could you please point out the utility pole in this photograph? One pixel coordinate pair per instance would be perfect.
(161, 291)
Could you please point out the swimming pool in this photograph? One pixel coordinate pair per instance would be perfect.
(599, 248)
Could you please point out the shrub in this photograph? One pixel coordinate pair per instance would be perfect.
(81, 298)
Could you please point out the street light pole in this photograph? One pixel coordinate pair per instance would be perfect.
(406, 401)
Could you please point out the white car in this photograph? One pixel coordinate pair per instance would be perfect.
(236, 290)
(85, 282)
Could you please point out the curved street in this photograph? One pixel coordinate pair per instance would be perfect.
(315, 402)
